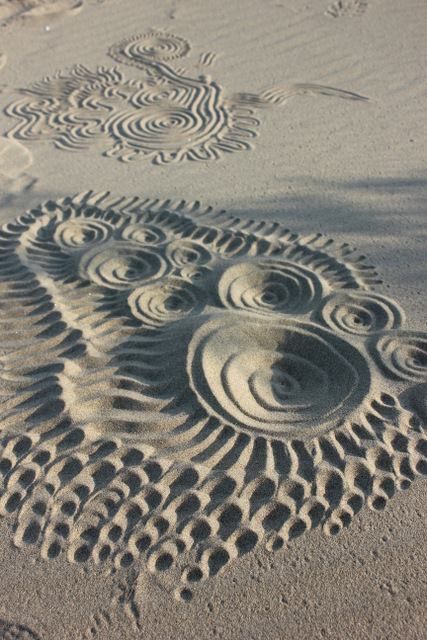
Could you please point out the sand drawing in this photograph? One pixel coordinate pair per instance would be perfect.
(12, 631)
(167, 116)
(346, 8)
(180, 385)
(31, 10)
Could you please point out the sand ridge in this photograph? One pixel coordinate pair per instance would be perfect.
(199, 384)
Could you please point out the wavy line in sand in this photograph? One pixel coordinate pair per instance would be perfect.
(167, 116)
(228, 384)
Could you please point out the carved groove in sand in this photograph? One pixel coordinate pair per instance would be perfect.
(182, 385)
(166, 116)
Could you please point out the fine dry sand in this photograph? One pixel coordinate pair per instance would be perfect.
(213, 352)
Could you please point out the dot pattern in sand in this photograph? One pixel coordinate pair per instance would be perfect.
(166, 116)
(180, 385)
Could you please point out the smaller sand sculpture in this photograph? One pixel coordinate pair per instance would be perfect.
(167, 116)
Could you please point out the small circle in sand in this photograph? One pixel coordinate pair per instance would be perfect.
(154, 45)
(122, 265)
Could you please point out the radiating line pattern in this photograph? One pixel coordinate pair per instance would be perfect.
(167, 116)
(179, 385)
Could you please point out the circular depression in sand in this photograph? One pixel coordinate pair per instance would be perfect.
(276, 377)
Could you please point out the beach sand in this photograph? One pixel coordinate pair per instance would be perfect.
(213, 362)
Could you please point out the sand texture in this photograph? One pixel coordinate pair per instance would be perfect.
(213, 364)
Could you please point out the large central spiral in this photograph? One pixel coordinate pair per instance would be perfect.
(276, 377)
(165, 128)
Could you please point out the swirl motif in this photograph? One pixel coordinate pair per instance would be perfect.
(168, 128)
(167, 301)
(155, 45)
(404, 355)
(82, 233)
(144, 234)
(186, 253)
(122, 265)
(280, 378)
(361, 313)
(270, 286)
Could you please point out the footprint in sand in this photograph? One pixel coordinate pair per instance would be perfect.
(32, 10)
(177, 379)
(167, 116)
(12, 631)
(346, 8)
(3, 59)
(15, 159)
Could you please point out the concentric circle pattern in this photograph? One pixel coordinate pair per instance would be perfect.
(168, 128)
(270, 286)
(158, 45)
(177, 380)
(404, 355)
(144, 234)
(122, 266)
(361, 313)
(282, 378)
(165, 302)
(81, 233)
(185, 253)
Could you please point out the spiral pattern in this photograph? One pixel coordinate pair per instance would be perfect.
(155, 96)
(144, 234)
(282, 378)
(165, 302)
(360, 313)
(186, 253)
(404, 355)
(82, 233)
(168, 128)
(122, 266)
(270, 285)
(154, 45)
(195, 274)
